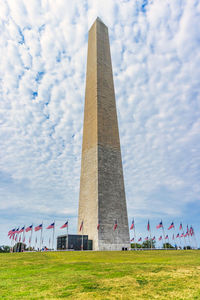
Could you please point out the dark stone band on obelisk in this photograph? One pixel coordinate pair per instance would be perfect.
(102, 198)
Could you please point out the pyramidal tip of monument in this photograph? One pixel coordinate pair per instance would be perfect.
(98, 20)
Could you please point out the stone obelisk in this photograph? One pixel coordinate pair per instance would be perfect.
(102, 202)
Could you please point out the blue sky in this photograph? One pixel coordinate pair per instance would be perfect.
(156, 67)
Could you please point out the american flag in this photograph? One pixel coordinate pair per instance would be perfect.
(64, 225)
(181, 226)
(166, 237)
(132, 239)
(177, 235)
(148, 226)
(11, 232)
(52, 225)
(98, 226)
(22, 229)
(146, 238)
(160, 238)
(132, 225)
(39, 227)
(188, 232)
(191, 231)
(17, 231)
(81, 226)
(171, 226)
(153, 239)
(115, 226)
(159, 225)
(29, 228)
(140, 239)
(182, 235)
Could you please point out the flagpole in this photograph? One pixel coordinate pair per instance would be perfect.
(17, 244)
(168, 239)
(175, 236)
(195, 239)
(150, 239)
(192, 240)
(180, 241)
(41, 236)
(17, 241)
(183, 236)
(23, 238)
(188, 239)
(11, 243)
(67, 245)
(192, 236)
(134, 235)
(14, 242)
(188, 234)
(53, 234)
(150, 234)
(184, 241)
(31, 236)
(163, 234)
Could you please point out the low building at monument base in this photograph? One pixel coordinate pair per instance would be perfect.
(73, 242)
(77, 242)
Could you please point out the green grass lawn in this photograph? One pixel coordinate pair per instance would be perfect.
(101, 275)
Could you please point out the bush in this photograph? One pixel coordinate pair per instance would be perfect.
(4, 249)
(168, 246)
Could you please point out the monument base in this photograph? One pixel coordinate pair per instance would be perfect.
(114, 247)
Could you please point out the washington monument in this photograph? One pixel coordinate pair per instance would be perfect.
(102, 201)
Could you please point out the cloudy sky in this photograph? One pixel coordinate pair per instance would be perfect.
(156, 67)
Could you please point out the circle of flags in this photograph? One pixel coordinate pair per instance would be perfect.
(176, 237)
(18, 235)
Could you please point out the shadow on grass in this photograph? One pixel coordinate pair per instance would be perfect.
(142, 281)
